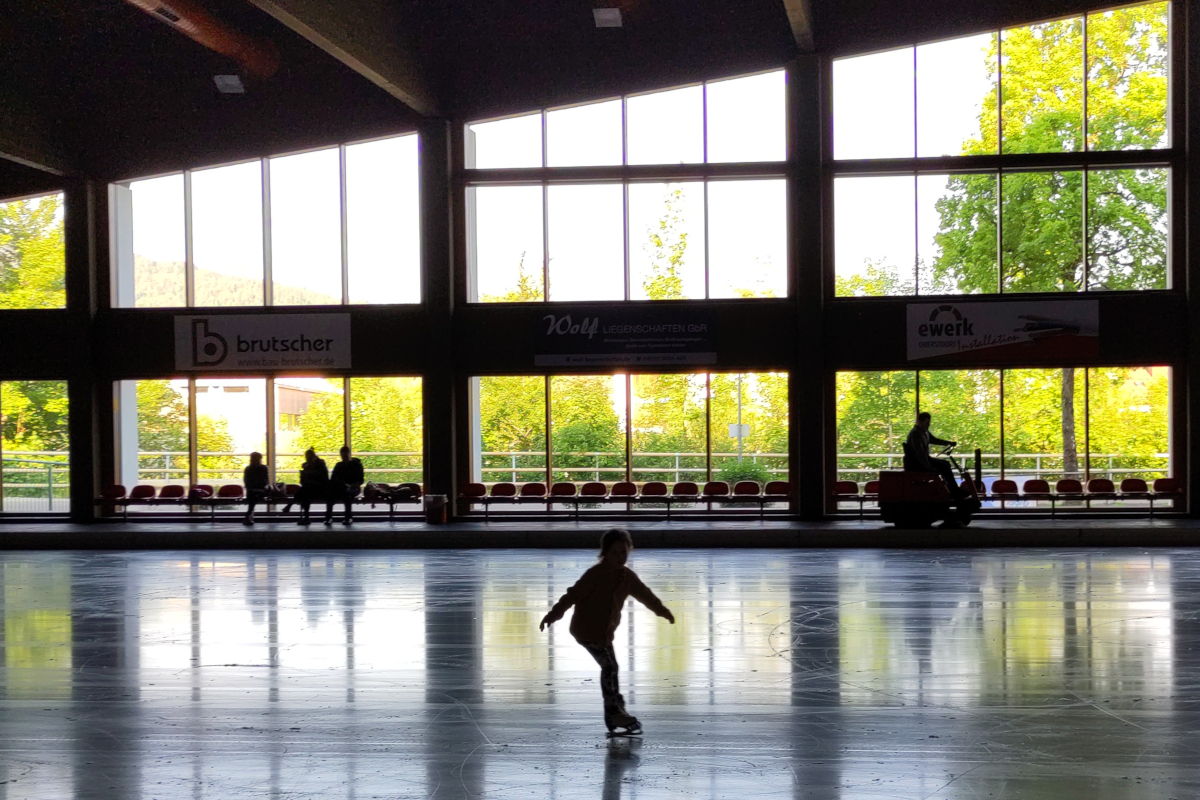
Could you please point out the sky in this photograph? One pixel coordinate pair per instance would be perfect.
(383, 221)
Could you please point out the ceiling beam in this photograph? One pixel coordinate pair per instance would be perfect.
(362, 35)
(800, 16)
(25, 138)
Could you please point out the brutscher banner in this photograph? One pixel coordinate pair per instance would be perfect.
(1020, 332)
(225, 342)
(625, 338)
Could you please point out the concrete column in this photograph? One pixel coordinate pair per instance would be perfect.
(85, 214)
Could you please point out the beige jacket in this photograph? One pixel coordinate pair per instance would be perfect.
(598, 597)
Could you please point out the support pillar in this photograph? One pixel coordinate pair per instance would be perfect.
(438, 297)
(806, 389)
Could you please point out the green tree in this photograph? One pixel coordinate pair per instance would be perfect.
(32, 253)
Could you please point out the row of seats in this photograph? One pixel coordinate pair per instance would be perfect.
(1036, 489)
(205, 495)
(625, 492)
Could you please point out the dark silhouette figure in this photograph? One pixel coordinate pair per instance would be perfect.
(255, 478)
(598, 597)
(344, 485)
(314, 483)
(916, 453)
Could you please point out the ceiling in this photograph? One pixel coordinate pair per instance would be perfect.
(117, 94)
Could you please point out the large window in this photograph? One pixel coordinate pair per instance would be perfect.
(613, 227)
(1096, 422)
(647, 427)
(182, 431)
(34, 447)
(326, 227)
(32, 253)
(1082, 85)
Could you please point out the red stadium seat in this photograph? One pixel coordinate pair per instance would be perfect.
(114, 492)
(143, 492)
(715, 490)
(1101, 486)
(594, 489)
(685, 490)
(231, 491)
(1068, 486)
(653, 489)
(473, 490)
(563, 489)
(503, 490)
(623, 490)
(746, 489)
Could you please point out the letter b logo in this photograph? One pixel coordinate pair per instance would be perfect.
(208, 349)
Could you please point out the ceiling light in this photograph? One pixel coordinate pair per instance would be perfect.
(229, 84)
(607, 17)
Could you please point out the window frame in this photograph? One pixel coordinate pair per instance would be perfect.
(264, 163)
(997, 164)
(625, 174)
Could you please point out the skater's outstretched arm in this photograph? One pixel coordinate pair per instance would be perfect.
(641, 592)
(582, 588)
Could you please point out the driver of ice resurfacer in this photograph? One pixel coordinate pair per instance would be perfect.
(916, 453)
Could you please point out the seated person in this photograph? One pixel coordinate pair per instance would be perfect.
(916, 453)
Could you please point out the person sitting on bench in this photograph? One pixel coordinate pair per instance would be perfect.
(344, 485)
(255, 479)
(916, 454)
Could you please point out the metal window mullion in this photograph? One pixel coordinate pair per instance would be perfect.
(707, 290)
(545, 242)
(347, 429)
(271, 438)
(1085, 238)
(916, 149)
(1000, 92)
(708, 426)
(1002, 450)
(704, 120)
(193, 443)
(625, 233)
(1084, 105)
(268, 262)
(345, 227)
(916, 237)
(189, 257)
(1000, 232)
(628, 427)
(1087, 424)
(549, 448)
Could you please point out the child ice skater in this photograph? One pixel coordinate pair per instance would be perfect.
(598, 597)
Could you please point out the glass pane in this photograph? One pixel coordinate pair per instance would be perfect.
(873, 106)
(956, 97)
(587, 423)
(383, 221)
(387, 428)
(231, 423)
(511, 441)
(33, 253)
(155, 450)
(1128, 87)
(309, 412)
(227, 235)
(666, 241)
(747, 238)
(159, 246)
(1042, 215)
(758, 451)
(747, 118)
(1041, 71)
(874, 236)
(1043, 409)
(1129, 422)
(513, 142)
(956, 234)
(875, 411)
(505, 254)
(965, 405)
(36, 446)
(666, 127)
(668, 428)
(1127, 228)
(306, 229)
(584, 136)
(587, 242)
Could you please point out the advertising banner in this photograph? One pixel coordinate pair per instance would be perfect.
(234, 342)
(625, 338)
(1029, 331)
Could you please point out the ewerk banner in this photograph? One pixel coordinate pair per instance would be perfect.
(221, 343)
(647, 336)
(1030, 332)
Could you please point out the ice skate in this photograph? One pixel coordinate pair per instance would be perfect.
(621, 723)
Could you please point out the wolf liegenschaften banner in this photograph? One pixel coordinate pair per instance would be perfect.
(1042, 330)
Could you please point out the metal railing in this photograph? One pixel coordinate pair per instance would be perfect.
(597, 472)
(41, 482)
(217, 473)
(1098, 465)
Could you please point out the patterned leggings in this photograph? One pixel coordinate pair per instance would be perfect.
(606, 657)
